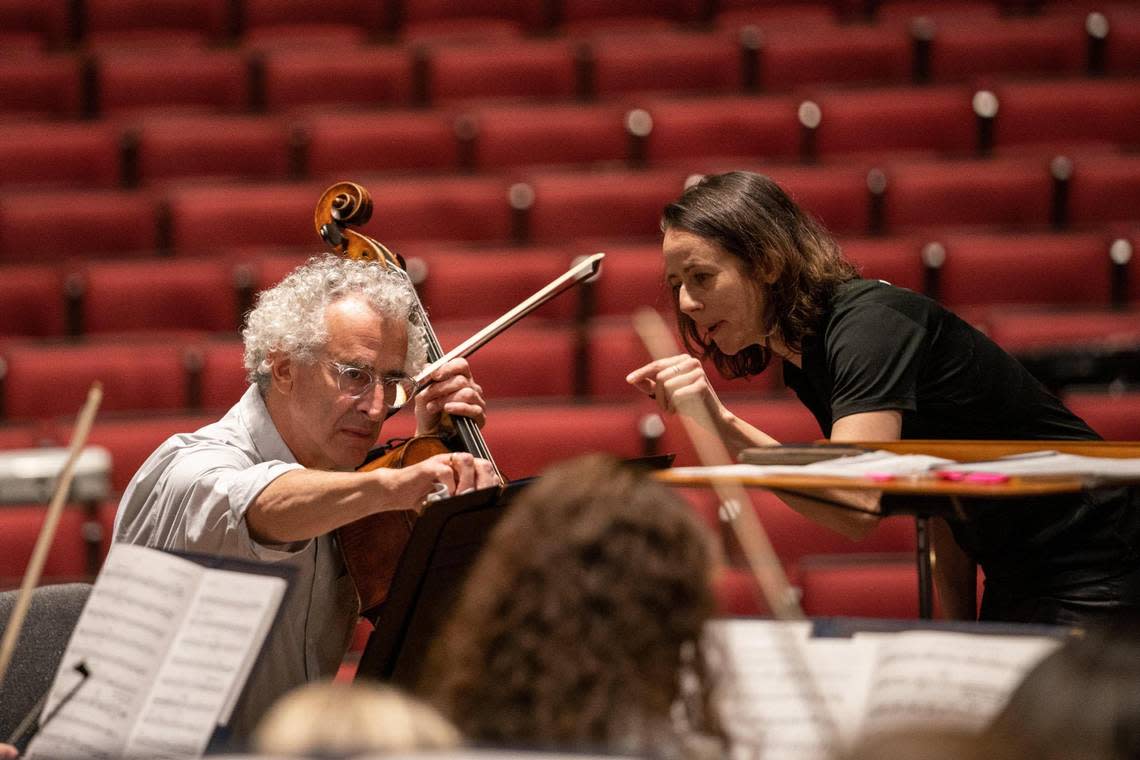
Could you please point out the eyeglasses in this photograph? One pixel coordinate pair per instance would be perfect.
(357, 381)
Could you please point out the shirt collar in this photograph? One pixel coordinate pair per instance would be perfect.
(262, 432)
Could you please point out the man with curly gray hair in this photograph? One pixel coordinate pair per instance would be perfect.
(329, 352)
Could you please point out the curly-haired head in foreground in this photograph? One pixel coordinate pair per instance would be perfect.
(580, 625)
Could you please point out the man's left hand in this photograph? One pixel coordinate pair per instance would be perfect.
(451, 390)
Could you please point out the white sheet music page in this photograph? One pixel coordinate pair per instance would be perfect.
(858, 466)
(791, 696)
(208, 663)
(122, 636)
(937, 678)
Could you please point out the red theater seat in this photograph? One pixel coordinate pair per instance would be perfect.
(211, 147)
(587, 14)
(1115, 416)
(847, 54)
(1029, 330)
(663, 61)
(389, 141)
(872, 587)
(734, 125)
(524, 440)
(19, 529)
(529, 69)
(1104, 189)
(150, 295)
(983, 270)
(483, 284)
(1038, 46)
(527, 361)
(572, 205)
(31, 301)
(206, 218)
(47, 20)
(307, 78)
(886, 121)
(1068, 111)
(41, 86)
(76, 224)
(897, 260)
(347, 19)
(509, 136)
(521, 14)
(836, 195)
(183, 79)
(64, 155)
(222, 379)
(1011, 193)
(46, 381)
(632, 277)
(128, 22)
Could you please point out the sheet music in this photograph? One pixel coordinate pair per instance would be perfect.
(949, 679)
(169, 645)
(788, 688)
(796, 697)
(845, 467)
(1055, 464)
(208, 663)
(122, 635)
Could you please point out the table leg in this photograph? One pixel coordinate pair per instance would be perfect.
(925, 574)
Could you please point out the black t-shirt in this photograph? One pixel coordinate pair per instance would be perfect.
(886, 348)
(883, 347)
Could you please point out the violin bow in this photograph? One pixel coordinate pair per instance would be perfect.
(736, 509)
(47, 530)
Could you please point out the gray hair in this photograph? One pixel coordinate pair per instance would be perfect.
(289, 317)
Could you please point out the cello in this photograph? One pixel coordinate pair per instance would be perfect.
(372, 545)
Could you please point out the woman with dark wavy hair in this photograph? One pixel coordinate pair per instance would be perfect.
(580, 626)
(754, 277)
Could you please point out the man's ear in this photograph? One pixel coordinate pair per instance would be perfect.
(281, 370)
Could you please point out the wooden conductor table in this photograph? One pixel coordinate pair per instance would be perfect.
(925, 495)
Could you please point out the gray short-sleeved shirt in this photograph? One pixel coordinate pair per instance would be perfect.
(191, 494)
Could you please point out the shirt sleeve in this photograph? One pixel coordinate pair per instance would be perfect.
(200, 501)
(874, 355)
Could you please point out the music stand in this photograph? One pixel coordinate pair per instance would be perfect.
(445, 540)
(443, 545)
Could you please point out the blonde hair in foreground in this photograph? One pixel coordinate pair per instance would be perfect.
(333, 718)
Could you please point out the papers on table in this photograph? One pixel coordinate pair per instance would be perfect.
(861, 466)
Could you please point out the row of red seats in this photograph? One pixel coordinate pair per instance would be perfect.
(970, 272)
(240, 80)
(1090, 191)
(36, 24)
(531, 360)
(828, 124)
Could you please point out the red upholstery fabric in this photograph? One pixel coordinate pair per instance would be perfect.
(212, 147)
(1116, 416)
(530, 69)
(41, 86)
(892, 119)
(664, 61)
(862, 587)
(848, 54)
(1031, 268)
(526, 439)
(897, 260)
(143, 296)
(121, 21)
(19, 527)
(31, 301)
(1105, 189)
(509, 136)
(1040, 46)
(310, 78)
(1004, 193)
(62, 155)
(527, 361)
(1068, 111)
(339, 144)
(735, 125)
(180, 79)
(76, 224)
(52, 380)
